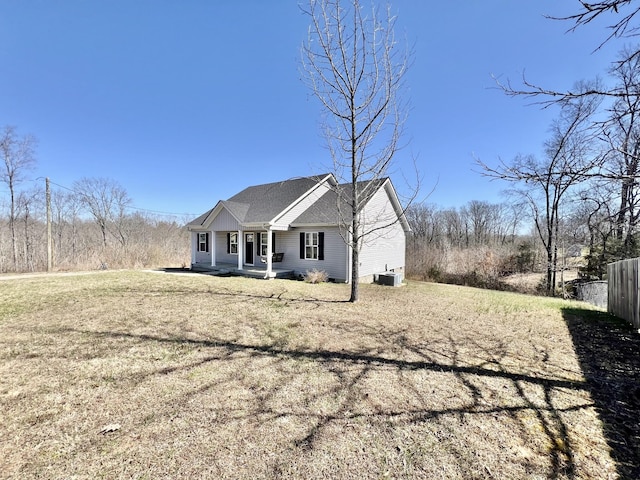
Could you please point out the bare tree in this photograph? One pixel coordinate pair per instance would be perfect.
(624, 13)
(66, 216)
(479, 214)
(29, 204)
(106, 201)
(622, 133)
(456, 227)
(355, 68)
(478, 223)
(425, 222)
(18, 155)
(568, 161)
(621, 130)
(593, 210)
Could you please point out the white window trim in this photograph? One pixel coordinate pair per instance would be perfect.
(233, 244)
(202, 240)
(264, 243)
(314, 247)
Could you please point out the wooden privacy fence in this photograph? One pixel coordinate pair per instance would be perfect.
(623, 297)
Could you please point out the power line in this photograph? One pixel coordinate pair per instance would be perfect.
(130, 207)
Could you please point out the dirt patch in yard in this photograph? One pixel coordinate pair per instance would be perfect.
(133, 375)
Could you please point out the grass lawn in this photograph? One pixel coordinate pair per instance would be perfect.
(147, 375)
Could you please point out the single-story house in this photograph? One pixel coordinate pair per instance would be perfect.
(300, 222)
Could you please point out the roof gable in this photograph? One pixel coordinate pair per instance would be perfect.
(261, 204)
(334, 207)
(201, 220)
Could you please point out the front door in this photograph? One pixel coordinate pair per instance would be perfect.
(248, 248)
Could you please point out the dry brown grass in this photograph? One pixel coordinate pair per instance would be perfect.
(234, 378)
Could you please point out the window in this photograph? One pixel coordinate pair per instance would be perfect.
(233, 243)
(203, 242)
(311, 246)
(263, 243)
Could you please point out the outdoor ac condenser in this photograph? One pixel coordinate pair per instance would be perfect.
(390, 278)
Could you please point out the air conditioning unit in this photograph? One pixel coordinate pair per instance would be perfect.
(390, 278)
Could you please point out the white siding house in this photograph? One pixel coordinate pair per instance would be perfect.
(384, 246)
(294, 226)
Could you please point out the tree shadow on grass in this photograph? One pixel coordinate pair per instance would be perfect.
(609, 353)
(350, 369)
(284, 296)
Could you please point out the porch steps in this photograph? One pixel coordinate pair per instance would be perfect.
(228, 270)
(208, 269)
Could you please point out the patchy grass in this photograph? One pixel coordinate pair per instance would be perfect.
(209, 377)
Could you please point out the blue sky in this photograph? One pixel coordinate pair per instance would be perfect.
(187, 102)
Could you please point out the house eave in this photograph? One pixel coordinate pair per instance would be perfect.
(215, 211)
(391, 192)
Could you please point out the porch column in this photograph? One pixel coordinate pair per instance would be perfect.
(269, 254)
(194, 246)
(213, 248)
(240, 249)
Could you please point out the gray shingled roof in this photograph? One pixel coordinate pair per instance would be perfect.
(200, 220)
(327, 210)
(262, 203)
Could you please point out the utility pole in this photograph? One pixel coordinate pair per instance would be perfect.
(49, 237)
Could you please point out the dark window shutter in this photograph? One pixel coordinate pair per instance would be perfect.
(207, 240)
(228, 243)
(302, 245)
(321, 246)
(273, 242)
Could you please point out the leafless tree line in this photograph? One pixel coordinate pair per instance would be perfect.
(478, 223)
(93, 224)
(582, 191)
(476, 244)
(82, 241)
(589, 172)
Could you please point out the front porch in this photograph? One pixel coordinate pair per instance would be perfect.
(237, 252)
(255, 271)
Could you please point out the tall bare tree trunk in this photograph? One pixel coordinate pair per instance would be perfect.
(18, 156)
(12, 226)
(569, 160)
(355, 69)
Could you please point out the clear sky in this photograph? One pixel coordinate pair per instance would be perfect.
(186, 102)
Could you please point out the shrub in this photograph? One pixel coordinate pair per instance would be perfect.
(316, 276)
